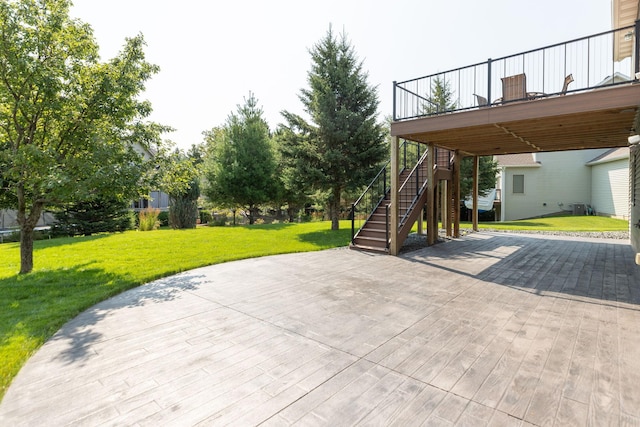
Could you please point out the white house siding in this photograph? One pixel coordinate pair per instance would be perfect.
(634, 188)
(610, 188)
(561, 180)
(520, 205)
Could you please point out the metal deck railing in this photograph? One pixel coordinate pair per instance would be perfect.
(591, 61)
(410, 153)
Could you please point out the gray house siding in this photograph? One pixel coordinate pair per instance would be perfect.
(634, 189)
(610, 189)
(553, 183)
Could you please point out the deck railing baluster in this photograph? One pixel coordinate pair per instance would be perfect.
(410, 96)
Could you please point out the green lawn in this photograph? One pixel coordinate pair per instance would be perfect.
(558, 223)
(72, 274)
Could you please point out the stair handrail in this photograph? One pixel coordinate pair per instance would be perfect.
(377, 198)
(420, 185)
(373, 181)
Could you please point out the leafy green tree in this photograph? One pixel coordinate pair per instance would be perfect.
(241, 169)
(343, 145)
(68, 122)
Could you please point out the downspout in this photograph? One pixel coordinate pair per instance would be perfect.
(476, 175)
(636, 50)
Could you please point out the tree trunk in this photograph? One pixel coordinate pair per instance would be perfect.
(26, 249)
(251, 217)
(334, 208)
(27, 225)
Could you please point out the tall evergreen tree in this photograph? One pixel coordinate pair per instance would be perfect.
(343, 146)
(293, 190)
(440, 98)
(242, 168)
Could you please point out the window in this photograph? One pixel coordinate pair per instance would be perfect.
(518, 184)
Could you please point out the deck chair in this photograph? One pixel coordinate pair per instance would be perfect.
(514, 88)
(482, 101)
(567, 81)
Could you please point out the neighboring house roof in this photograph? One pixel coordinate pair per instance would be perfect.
(517, 160)
(612, 155)
(617, 77)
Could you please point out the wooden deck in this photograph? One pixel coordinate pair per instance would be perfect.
(601, 118)
(490, 329)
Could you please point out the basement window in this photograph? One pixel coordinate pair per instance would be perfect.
(518, 184)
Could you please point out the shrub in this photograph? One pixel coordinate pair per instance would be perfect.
(148, 219)
(205, 217)
(15, 236)
(95, 216)
(10, 237)
(163, 217)
(183, 212)
(218, 221)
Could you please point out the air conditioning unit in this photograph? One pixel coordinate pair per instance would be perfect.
(579, 209)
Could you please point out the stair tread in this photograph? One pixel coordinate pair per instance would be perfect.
(375, 239)
(368, 248)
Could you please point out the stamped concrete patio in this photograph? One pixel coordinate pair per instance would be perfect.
(490, 329)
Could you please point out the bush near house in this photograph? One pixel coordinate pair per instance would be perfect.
(148, 219)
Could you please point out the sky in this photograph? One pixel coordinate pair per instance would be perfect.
(213, 53)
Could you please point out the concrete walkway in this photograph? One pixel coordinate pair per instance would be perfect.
(490, 329)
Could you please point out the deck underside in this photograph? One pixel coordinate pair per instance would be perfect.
(601, 118)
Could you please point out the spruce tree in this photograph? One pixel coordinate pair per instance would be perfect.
(343, 145)
(440, 98)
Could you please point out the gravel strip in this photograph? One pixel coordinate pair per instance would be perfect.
(415, 241)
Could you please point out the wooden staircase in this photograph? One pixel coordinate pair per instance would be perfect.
(373, 234)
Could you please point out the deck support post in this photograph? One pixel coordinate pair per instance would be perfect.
(476, 176)
(395, 187)
(445, 214)
(449, 208)
(456, 193)
(432, 220)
